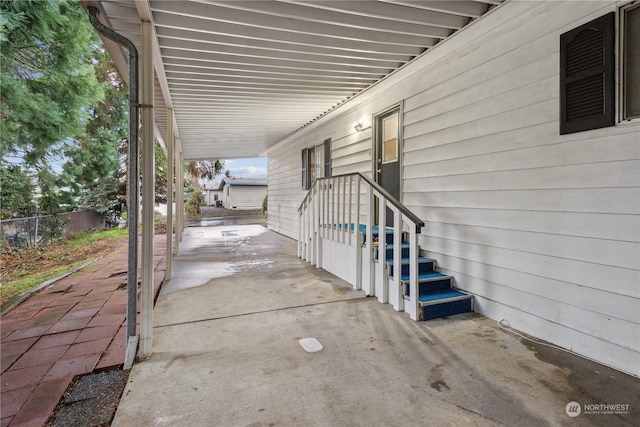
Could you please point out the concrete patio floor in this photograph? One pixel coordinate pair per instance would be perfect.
(226, 353)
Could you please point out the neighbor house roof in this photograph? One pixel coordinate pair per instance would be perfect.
(256, 182)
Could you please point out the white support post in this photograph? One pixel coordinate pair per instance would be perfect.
(148, 191)
(382, 287)
(396, 297)
(179, 161)
(169, 255)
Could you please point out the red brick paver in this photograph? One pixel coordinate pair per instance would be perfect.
(76, 325)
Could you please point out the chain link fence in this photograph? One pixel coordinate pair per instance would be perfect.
(40, 230)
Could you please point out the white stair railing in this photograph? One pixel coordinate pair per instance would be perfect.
(336, 232)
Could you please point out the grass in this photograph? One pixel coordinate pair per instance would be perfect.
(24, 268)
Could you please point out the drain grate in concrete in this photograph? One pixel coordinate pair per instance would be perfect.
(311, 345)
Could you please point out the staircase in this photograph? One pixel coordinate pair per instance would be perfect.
(436, 296)
(367, 256)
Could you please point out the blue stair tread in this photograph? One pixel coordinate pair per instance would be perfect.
(423, 276)
(442, 294)
(403, 244)
(375, 229)
(406, 260)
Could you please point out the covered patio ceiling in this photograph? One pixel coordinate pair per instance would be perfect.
(242, 75)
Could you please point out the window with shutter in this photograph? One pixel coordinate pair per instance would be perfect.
(327, 157)
(305, 167)
(587, 68)
(316, 163)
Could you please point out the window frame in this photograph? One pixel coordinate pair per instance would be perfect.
(324, 167)
(621, 114)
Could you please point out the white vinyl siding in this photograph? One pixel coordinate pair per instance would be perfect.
(543, 228)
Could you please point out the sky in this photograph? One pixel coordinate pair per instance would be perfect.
(247, 168)
(241, 168)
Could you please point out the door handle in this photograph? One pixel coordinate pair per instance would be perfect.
(379, 170)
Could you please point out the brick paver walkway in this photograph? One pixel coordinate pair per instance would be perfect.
(72, 327)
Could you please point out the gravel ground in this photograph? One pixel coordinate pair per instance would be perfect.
(91, 401)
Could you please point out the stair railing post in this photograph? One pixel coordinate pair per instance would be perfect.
(316, 224)
(396, 297)
(345, 229)
(382, 286)
(350, 221)
(305, 241)
(413, 308)
(325, 207)
(301, 232)
(300, 221)
(369, 222)
(309, 236)
(356, 230)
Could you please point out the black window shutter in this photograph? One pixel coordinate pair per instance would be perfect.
(305, 166)
(327, 157)
(587, 68)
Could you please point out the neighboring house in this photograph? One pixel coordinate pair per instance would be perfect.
(243, 193)
(213, 193)
(507, 142)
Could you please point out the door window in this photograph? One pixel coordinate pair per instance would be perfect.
(390, 139)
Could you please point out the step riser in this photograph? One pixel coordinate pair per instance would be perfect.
(389, 252)
(433, 285)
(436, 311)
(423, 267)
(425, 288)
(389, 238)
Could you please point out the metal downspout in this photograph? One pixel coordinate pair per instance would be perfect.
(133, 177)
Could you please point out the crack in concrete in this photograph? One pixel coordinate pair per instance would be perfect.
(190, 322)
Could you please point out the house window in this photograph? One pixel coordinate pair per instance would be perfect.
(630, 66)
(316, 163)
(588, 67)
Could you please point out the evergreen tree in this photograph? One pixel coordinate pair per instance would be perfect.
(16, 192)
(93, 157)
(47, 83)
